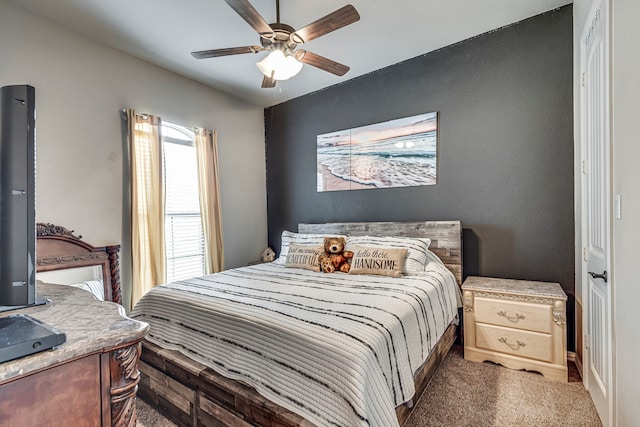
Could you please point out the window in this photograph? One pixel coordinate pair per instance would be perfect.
(184, 239)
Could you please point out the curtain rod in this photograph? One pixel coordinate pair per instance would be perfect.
(144, 116)
(207, 131)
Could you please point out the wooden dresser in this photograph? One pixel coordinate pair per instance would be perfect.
(518, 324)
(90, 380)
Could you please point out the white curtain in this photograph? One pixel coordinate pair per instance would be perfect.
(209, 191)
(147, 204)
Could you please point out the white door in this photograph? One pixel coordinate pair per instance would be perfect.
(596, 277)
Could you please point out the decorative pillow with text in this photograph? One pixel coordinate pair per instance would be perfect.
(417, 249)
(378, 261)
(304, 256)
(288, 238)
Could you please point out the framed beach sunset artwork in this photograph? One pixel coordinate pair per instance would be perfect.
(397, 153)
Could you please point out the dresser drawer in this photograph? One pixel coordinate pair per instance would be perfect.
(532, 345)
(514, 314)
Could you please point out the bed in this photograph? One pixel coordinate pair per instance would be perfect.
(236, 349)
(64, 258)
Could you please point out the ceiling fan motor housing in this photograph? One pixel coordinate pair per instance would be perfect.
(280, 38)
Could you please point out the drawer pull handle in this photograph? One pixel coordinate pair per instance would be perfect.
(515, 346)
(514, 319)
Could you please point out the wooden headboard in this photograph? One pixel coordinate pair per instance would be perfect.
(58, 248)
(446, 236)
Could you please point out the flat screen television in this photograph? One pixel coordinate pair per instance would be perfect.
(17, 197)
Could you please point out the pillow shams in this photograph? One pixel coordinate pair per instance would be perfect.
(417, 256)
(289, 237)
(95, 287)
(378, 261)
(304, 256)
(431, 257)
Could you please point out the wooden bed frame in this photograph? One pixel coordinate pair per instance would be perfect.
(57, 248)
(193, 394)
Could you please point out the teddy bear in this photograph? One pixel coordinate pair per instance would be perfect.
(335, 257)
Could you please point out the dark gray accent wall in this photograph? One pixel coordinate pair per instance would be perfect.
(505, 162)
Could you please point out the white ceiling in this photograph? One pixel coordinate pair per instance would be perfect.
(164, 32)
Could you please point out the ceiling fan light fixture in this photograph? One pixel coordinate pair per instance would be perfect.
(279, 66)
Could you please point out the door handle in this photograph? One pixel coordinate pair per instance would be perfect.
(602, 276)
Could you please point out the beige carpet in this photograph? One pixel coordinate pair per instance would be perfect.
(465, 393)
(149, 417)
(480, 394)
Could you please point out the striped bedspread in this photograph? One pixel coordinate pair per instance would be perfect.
(338, 349)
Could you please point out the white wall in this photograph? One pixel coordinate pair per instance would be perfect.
(626, 176)
(81, 86)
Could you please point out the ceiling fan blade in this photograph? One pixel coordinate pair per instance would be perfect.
(331, 22)
(268, 82)
(214, 53)
(253, 18)
(321, 62)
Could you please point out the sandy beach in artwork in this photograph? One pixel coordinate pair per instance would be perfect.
(335, 183)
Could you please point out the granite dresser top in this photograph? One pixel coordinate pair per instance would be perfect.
(521, 287)
(91, 326)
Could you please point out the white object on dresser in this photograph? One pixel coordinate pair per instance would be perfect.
(516, 323)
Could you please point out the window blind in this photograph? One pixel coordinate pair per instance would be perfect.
(184, 239)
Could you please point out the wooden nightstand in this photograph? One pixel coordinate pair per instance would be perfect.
(516, 323)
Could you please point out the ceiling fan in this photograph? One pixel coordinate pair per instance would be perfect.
(281, 41)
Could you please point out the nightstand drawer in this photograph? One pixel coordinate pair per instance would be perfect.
(513, 314)
(532, 345)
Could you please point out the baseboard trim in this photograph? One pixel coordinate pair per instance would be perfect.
(573, 357)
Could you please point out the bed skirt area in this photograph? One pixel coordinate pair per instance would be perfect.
(192, 394)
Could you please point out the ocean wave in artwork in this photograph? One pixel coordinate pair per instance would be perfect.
(395, 162)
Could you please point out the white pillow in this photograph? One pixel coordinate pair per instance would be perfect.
(95, 287)
(289, 237)
(417, 249)
(431, 257)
